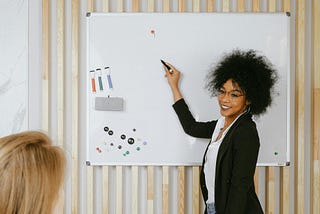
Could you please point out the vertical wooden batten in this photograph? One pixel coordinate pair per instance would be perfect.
(150, 169)
(45, 64)
(241, 5)
(181, 189)
(286, 5)
(315, 145)
(135, 5)
(165, 6)
(89, 169)
(60, 71)
(300, 106)
(195, 190)
(119, 6)
(119, 169)
(150, 6)
(196, 169)
(134, 189)
(105, 5)
(210, 5)
(241, 8)
(270, 170)
(270, 193)
(284, 190)
(165, 169)
(75, 105)
(256, 8)
(134, 169)
(182, 5)
(225, 5)
(165, 190)
(105, 189)
(89, 188)
(150, 189)
(272, 6)
(119, 189)
(256, 5)
(105, 169)
(196, 6)
(90, 5)
(285, 171)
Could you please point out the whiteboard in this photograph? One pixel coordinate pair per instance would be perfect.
(137, 125)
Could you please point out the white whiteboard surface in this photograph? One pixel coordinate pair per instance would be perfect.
(131, 45)
(14, 67)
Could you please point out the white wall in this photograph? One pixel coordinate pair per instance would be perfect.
(14, 67)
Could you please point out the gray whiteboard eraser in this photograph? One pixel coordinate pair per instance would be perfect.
(109, 104)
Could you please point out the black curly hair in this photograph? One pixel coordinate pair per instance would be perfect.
(254, 74)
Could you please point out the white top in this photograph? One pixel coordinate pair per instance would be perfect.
(211, 158)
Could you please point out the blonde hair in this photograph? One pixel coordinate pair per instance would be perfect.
(31, 173)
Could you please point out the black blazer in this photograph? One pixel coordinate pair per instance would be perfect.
(236, 162)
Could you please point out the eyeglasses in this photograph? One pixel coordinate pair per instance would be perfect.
(233, 95)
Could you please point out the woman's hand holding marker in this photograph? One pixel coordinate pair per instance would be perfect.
(173, 77)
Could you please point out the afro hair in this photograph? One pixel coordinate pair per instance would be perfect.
(254, 74)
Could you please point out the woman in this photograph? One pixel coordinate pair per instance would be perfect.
(31, 174)
(243, 83)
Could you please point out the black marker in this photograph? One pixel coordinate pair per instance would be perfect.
(167, 66)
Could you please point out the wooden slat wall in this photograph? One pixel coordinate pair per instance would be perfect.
(300, 200)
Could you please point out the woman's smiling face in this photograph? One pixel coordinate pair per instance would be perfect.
(232, 100)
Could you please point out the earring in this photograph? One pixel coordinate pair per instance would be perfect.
(248, 108)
